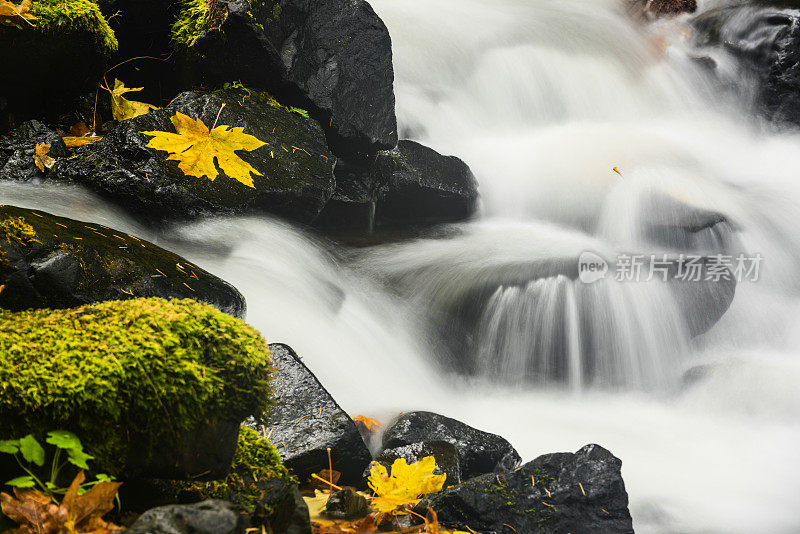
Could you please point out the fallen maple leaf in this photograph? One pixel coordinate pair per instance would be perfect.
(406, 484)
(195, 148)
(12, 14)
(369, 423)
(41, 158)
(74, 141)
(122, 108)
(36, 513)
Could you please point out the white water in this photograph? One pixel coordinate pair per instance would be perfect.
(542, 98)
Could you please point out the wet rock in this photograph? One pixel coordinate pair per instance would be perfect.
(765, 38)
(446, 455)
(287, 512)
(306, 420)
(652, 9)
(419, 185)
(479, 452)
(346, 503)
(297, 169)
(18, 146)
(555, 493)
(47, 64)
(332, 57)
(207, 517)
(66, 263)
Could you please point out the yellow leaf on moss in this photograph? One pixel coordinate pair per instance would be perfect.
(124, 109)
(195, 148)
(406, 484)
(42, 158)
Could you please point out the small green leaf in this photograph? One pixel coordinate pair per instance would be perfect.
(78, 458)
(9, 446)
(102, 477)
(64, 440)
(31, 450)
(22, 482)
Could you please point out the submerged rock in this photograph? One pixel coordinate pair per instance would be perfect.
(445, 454)
(207, 517)
(55, 262)
(652, 9)
(296, 168)
(18, 147)
(306, 420)
(557, 493)
(478, 452)
(332, 57)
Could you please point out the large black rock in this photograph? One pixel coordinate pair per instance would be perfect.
(18, 147)
(479, 452)
(306, 420)
(297, 169)
(207, 517)
(765, 38)
(332, 57)
(68, 263)
(287, 511)
(581, 493)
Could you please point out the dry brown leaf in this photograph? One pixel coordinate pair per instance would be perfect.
(80, 129)
(41, 157)
(12, 14)
(329, 477)
(369, 423)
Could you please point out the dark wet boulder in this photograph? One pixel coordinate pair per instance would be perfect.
(332, 57)
(18, 147)
(287, 512)
(419, 185)
(296, 168)
(48, 61)
(445, 454)
(207, 517)
(479, 452)
(765, 38)
(55, 262)
(582, 493)
(306, 420)
(346, 503)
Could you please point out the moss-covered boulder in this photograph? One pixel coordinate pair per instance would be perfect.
(296, 169)
(153, 387)
(46, 62)
(55, 262)
(331, 57)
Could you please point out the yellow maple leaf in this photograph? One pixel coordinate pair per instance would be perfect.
(122, 108)
(195, 148)
(42, 158)
(406, 484)
(12, 14)
(369, 423)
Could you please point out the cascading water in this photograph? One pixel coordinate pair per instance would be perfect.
(489, 322)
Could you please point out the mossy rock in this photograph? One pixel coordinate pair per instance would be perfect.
(64, 51)
(296, 169)
(153, 387)
(63, 263)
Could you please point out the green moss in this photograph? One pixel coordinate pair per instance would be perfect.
(196, 18)
(67, 16)
(122, 372)
(17, 232)
(256, 462)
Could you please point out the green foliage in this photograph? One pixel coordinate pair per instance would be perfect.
(256, 461)
(68, 16)
(299, 111)
(196, 18)
(115, 372)
(33, 454)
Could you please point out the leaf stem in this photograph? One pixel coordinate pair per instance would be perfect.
(218, 114)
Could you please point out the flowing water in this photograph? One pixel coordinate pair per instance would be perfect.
(486, 322)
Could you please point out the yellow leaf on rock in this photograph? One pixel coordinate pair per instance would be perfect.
(12, 14)
(73, 141)
(41, 157)
(369, 423)
(124, 109)
(195, 148)
(406, 484)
